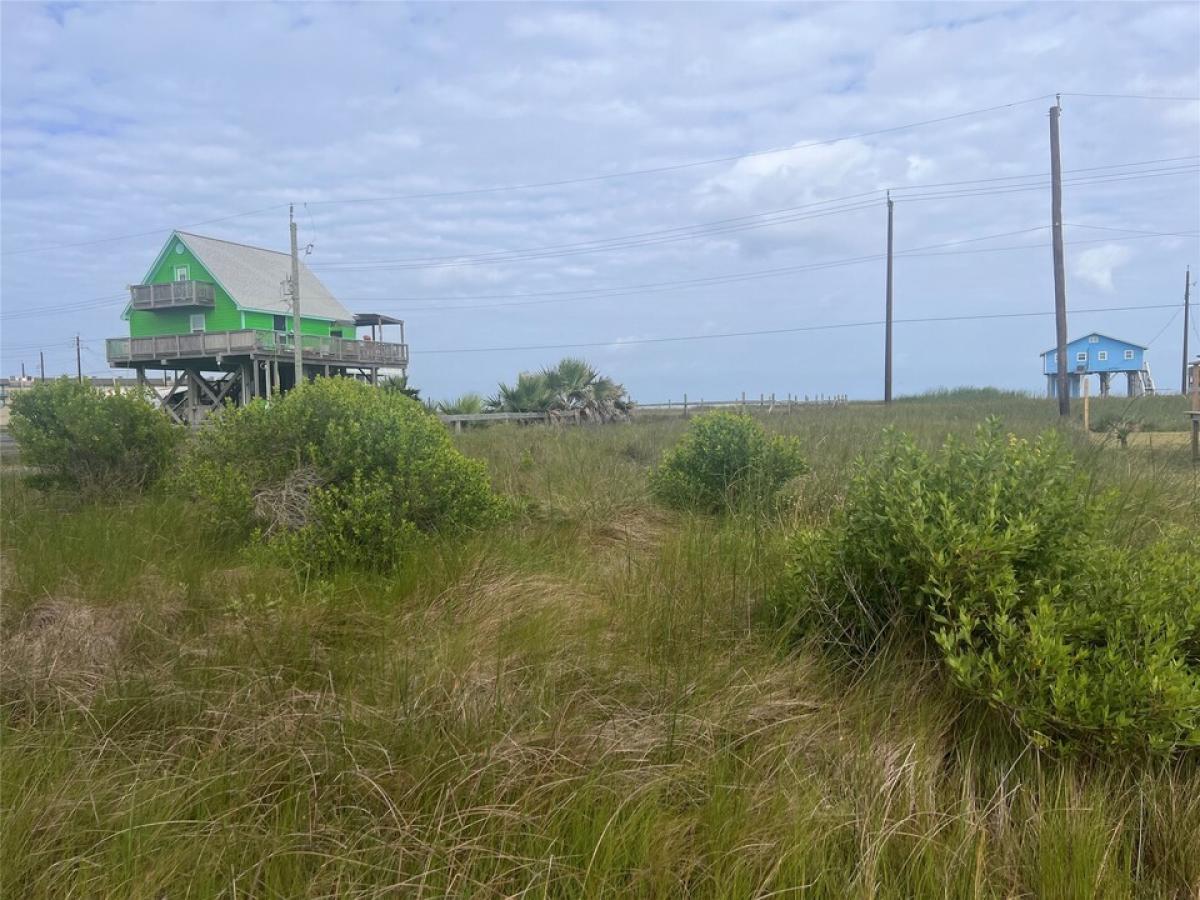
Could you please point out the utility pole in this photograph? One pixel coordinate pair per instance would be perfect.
(42, 364)
(299, 361)
(1187, 296)
(887, 341)
(1060, 275)
(78, 362)
(23, 368)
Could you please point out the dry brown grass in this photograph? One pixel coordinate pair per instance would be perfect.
(62, 648)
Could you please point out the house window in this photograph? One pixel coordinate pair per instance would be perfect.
(1102, 355)
(181, 273)
(1081, 356)
(1094, 339)
(1129, 354)
(197, 321)
(280, 323)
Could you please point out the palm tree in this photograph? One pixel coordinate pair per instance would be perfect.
(531, 393)
(466, 405)
(399, 384)
(571, 386)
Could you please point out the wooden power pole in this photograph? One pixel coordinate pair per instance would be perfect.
(78, 362)
(42, 363)
(1187, 296)
(1060, 275)
(299, 358)
(887, 340)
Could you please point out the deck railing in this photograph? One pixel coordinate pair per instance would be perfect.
(174, 295)
(254, 342)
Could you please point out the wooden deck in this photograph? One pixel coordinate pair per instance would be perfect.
(200, 347)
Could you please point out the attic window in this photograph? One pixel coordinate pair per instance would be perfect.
(181, 273)
(1129, 354)
(178, 248)
(1094, 339)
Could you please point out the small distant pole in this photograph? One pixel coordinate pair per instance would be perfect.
(42, 364)
(299, 355)
(1060, 274)
(22, 370)
(887, 340)
(1086, 420)
(78, 362)
(685, 415)
(1187, 296)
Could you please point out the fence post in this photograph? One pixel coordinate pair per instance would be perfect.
(685, 406)
(743, 401)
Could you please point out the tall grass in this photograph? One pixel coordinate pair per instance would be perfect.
(586, 701)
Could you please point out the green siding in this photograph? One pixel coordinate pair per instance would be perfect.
(224, 316)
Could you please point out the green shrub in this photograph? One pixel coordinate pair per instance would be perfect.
(336, 473)
(995, 555)
(96, 442)
(725, 461)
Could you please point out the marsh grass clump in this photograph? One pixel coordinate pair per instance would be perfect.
(82, 438)
(588, 698)
(995, 555)
(726, 461)
(335, 474)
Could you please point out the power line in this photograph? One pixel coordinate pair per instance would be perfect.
(601, 294)
(160, 230)
(1144, 162)
(702, 229)
(794, 330)
(654, 170)
(77, 306)
(1163, 330)
(1131, 97)
(547, 184)
(861, 204)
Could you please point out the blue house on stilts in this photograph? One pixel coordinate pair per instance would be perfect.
(1099, 354)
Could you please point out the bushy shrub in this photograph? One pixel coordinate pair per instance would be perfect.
(335, 473)
(96, 442)
(725, 461)
(995, 555)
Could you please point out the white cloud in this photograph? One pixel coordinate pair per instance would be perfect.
(1096, 265)
(265, 104)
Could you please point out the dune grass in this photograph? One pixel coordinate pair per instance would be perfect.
(585, 701)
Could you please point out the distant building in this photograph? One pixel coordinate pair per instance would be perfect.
(217, 315)
(1099, 354)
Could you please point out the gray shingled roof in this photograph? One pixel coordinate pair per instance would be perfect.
(251, 276)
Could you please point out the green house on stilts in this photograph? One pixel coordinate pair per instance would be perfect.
(218, 315)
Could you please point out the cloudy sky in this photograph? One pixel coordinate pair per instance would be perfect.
(532, 176)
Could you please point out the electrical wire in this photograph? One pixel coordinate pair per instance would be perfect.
(546, 184)
(720, 280)
(160, 230)
(354, 264)
(698, 230)
(1130, 97)
(655, 170)
(1163, 330)
(794, 330)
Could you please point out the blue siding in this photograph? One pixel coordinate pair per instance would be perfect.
(1097, 353)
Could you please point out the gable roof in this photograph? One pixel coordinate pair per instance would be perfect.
(1083, 337)
(251, 276)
